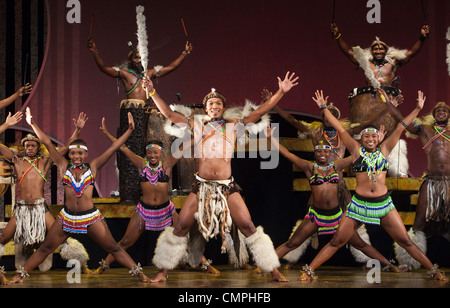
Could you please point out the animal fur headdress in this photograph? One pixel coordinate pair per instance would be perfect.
(214, 94)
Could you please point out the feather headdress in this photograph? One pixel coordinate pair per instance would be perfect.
(142, 36)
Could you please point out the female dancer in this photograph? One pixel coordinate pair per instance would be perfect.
(79, 214)
(325, 213)
(371, 203)
(155, 212)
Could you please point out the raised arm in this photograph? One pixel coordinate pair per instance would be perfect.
(111, 72)
(284, 86)
(173, 116)
(392, 140)
(25, 90)
(10, 121)
(98, 162)
(56, 157)
(351, 144)
(175, 64)
(415, 49)
(135, 159)
(343, 46)
(304, 165)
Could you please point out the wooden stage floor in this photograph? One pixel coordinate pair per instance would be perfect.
(230, 278)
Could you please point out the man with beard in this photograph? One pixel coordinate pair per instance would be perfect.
(131, 72)
(433, 205)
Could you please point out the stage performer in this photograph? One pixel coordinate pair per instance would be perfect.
(131, 72)
(433, 205)
(32, 218)
(215, 201)
(25, 90)
(79, 215)
(325, 213)
(371, 202)
(380, 62)
(155, 211)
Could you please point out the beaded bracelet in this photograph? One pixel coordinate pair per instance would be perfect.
(323, 107)
(337, 37)
(153, 93)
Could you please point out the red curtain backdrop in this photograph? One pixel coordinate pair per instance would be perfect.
(240, 47)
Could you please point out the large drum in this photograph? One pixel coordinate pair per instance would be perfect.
(366, 105)
(6, 171)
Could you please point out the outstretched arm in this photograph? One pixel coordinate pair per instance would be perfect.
(175, 64)
(173, 116)
(415, 49)
(392, 140)
(343, 46)
(135, 159)
(19, 93)
(111, 72)
(10, 121)
(56, 157)
(98, 162)
(304, 165)
(284, 86)
(351, 144)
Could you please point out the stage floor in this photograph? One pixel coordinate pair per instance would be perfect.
(230, 278)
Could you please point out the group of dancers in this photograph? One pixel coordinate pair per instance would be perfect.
(215, 206)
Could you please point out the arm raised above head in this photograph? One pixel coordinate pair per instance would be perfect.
(289, 82)
(98, 162)
(173, 116)
(55, 156)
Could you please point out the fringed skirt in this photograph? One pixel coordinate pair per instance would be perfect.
(369, 210)
(78, 222)
(326, 220)
(156, 218)
(30, 221)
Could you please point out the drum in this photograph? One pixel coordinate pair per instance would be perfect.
(366, 105)
(6, 171)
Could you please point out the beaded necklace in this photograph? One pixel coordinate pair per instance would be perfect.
(151, 173)
(323, 168)
(213, 127)
(335, 135)
(375, 161)
(32, 161)
(440, 131)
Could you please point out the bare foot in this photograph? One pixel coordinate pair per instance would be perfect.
(257, 271)
(143, 278)
(439, 276)
(210, 269)
(3, 280)
(304, 277)
(277, 276)
(16, 279)
(160, 277)
(100, 270)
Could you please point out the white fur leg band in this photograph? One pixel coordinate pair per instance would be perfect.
(73, 249)
(170, 249)
(261, 247)
(403, 257)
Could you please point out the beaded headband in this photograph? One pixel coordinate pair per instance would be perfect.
(214, 94)
(154, 146)
(370, 130)
(30, 137)
(78, 146)
(322, 147)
